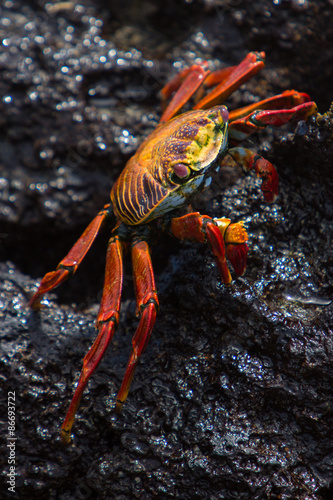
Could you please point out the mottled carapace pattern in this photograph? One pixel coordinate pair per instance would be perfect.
(194, 138)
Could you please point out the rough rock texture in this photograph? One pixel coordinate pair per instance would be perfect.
(233, 397)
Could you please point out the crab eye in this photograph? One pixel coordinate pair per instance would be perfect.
(182, 171)
(224, 114)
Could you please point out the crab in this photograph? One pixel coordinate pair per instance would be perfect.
(153, 193)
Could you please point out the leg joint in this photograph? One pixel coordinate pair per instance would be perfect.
(145, 303)
(71, 269)
(106, 318)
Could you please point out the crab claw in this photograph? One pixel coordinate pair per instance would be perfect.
(235, 238)
(263, 168)
(270, 179)
(237, 255)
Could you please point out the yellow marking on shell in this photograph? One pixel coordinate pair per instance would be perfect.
(147, 187)
(203, 146)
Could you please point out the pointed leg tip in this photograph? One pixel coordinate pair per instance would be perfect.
(119, 406)
(228, 283)
(65, 436)
(34, 302)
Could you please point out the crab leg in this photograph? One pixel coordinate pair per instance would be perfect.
(147, 305)
(174, 84)
(250, 65)
(107, 320)
(241, 128)
(228, 80)
(264, 169)
(288, 99)
(218, 76)
(213, 78)
(225, 240)
(194, 78)
(72, 260)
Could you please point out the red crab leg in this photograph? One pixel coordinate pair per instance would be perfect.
(72, 260)
(193, 80)
(212, 79)
(288, 99)
(174, 84)
(228, 79)
(147, 305)
(264, 169)
(242, 128)
(107, 320)
(224, 239)
(218, 76)
(250, 65)
(196, 76)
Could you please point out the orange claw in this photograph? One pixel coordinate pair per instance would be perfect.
(235, 233)
(235, 237)
(203, 229)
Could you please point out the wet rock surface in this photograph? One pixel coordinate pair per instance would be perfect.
(233, 397)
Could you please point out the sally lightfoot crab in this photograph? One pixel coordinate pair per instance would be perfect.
(171, 166)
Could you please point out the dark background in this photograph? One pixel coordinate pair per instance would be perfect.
(233, 397)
